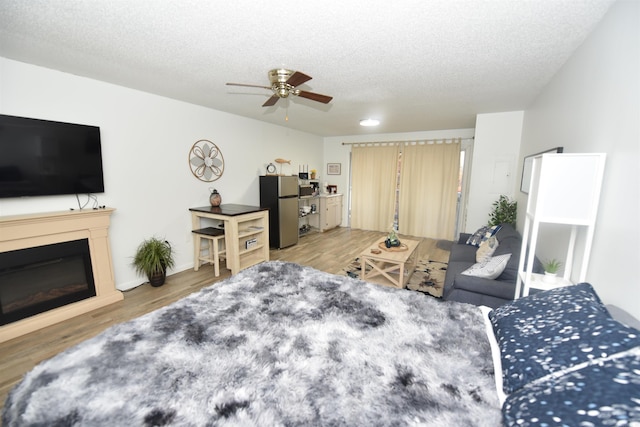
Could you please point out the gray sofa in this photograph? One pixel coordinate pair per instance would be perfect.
(478, 290)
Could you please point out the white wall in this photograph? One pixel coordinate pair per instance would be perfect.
(593, 105)
(145, 141)
(336, 152)
(495, 159)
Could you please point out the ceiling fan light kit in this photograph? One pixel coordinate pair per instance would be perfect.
(284, 83)
(369, 122)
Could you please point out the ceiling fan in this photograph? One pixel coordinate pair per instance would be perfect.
(283, 84)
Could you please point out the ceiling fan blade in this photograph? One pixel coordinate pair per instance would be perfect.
(271, 101)
(245, 85)
(315, 96)
(297, 79)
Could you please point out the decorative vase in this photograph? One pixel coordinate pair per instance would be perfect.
(215, 199)
(392, 239)
(313, 175)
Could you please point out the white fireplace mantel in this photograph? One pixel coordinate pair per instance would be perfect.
(28, 231)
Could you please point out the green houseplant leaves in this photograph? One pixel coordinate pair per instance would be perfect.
(504, 211)
(153, 258)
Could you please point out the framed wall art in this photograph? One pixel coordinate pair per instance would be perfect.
(334, 168)
(206, 161)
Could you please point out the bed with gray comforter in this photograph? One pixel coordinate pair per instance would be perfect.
(282, 344)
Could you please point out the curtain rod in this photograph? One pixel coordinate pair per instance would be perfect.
(427, 141)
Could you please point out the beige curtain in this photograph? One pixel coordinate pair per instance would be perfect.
(428, 190)
(374, 172)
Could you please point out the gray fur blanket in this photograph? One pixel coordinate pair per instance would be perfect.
(278, 344)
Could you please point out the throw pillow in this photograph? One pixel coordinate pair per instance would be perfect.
(489, 269)
(482, 234)
(604, 393)
(550, 331)
(486, 249)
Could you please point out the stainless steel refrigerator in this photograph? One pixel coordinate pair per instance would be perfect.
(280, 195)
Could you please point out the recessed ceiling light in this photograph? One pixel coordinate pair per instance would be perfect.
(369, 122)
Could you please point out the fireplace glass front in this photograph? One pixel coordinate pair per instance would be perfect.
(35, 280)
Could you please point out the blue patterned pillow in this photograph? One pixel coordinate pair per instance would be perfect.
(482, 234)
(550, 331)
(606, 393)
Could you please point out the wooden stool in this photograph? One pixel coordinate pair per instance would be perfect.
(215, 248)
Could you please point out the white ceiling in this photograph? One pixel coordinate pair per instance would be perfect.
(414, 64)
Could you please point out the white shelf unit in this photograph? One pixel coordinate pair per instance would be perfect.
(252, 240)
(308, 222)
(564, 189)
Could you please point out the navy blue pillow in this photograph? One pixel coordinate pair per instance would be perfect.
(550, 331)
(482, 234)
(606, 393)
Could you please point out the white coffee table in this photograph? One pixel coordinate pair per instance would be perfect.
(391, 266)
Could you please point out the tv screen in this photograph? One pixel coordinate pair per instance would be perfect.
(44, 158)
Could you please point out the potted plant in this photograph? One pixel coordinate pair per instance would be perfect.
(551, 268)
(153, 258)
(504, 212)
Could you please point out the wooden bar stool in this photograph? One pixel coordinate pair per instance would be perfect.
(215, 249)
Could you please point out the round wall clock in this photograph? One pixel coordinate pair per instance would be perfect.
(206, 161)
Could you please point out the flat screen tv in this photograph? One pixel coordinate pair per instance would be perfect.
(44, 158)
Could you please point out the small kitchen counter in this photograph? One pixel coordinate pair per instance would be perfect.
(242, 224)
(330, 210)
(228, 209)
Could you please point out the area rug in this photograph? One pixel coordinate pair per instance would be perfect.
(427, 278)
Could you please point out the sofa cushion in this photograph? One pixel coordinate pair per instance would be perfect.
(510, 243)
(489, 269)
(550, 331)
(505, 231)
(464, 253)
(479, 285)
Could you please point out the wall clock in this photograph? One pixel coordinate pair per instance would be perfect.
(206, 161)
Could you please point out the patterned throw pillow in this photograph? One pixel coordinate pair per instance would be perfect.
(600, 394)
(550, 331)
(489, 269)
(482, 234)
(486, 249)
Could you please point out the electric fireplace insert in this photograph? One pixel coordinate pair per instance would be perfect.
(42, 278)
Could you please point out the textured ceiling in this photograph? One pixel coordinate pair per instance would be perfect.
(414, 64)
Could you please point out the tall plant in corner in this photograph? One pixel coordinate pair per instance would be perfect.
(504, 211)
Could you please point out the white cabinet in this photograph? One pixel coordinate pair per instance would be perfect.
(330, 211)
(564, 189)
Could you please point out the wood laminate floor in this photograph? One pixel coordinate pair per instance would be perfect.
(330, 251)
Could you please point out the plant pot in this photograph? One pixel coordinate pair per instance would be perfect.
(549, 277)
(157, 279)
